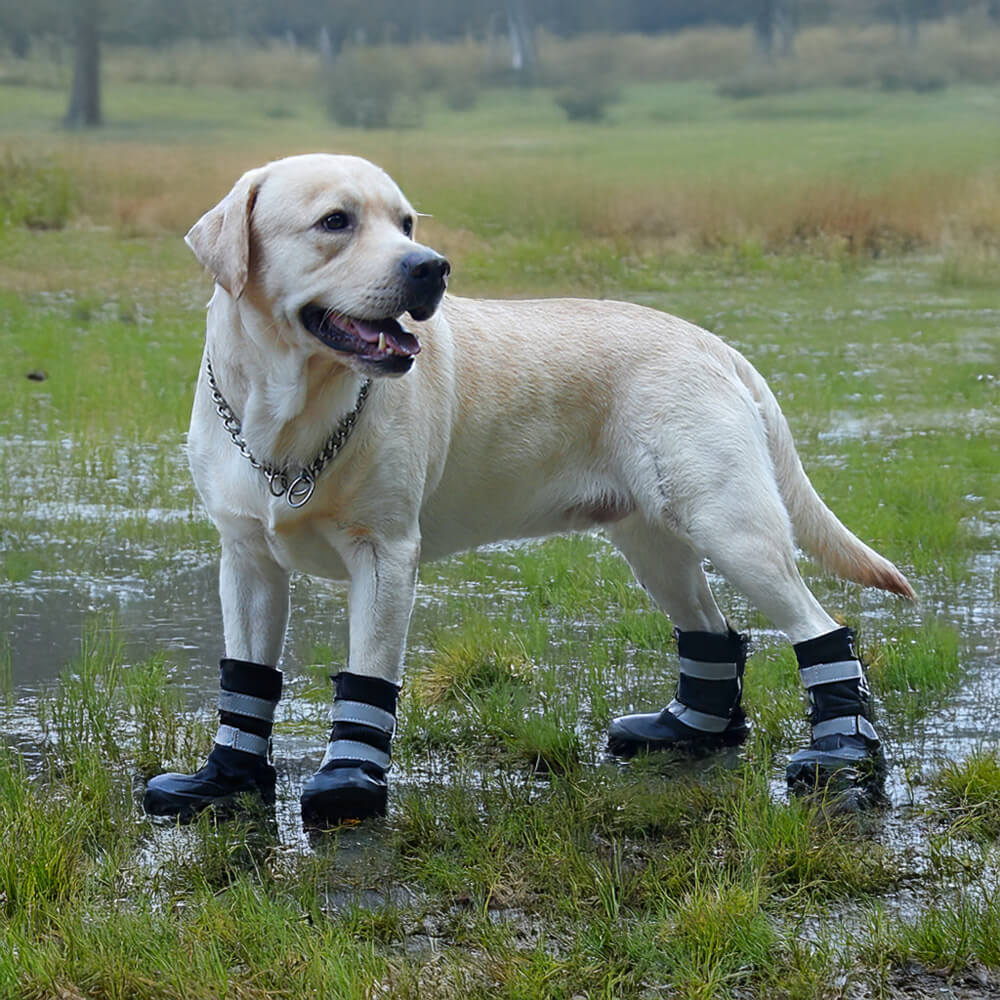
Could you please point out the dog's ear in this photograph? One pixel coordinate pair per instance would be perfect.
(220, 239)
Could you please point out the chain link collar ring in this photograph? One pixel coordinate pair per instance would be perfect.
(298, 491)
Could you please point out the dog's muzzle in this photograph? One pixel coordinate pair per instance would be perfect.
(381, 344)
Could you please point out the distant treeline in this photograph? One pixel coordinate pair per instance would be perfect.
(340, 22)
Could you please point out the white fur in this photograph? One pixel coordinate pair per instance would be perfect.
(518, 419)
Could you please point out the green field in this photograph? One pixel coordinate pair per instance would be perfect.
(847, 241)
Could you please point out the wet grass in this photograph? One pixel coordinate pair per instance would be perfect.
(517, 860)
(602, 880)
(970, 790)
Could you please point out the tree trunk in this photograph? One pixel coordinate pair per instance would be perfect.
(524, 56)
(85, 96)
(907, 18)
(774, 27)
(786, 28)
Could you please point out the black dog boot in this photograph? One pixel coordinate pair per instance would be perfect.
(705, 713)
(238, 763)
(351, 782)
(845, 752)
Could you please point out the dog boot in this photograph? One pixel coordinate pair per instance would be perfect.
(238, 763)
(351, 780)
(845, 751)
(705, 714)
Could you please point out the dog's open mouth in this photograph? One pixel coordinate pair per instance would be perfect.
(381, 342)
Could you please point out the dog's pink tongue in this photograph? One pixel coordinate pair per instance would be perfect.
(396, 338)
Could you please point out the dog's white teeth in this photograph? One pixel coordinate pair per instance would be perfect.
(381, 341)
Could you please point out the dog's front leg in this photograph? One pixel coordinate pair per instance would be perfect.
(254, 592)
(380, 602)
(351, 781)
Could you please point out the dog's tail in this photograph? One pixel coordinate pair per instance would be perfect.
(817, 528)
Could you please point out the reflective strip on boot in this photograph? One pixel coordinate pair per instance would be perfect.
(354, 750)
(247, 704)
(363, 715)
(709, 671)
(230, 736)
(830, 673)
(845, 725)
(364, 720)
(710, 680)
(697, 720)
(248, 696)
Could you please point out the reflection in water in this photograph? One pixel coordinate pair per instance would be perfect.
(178, 612)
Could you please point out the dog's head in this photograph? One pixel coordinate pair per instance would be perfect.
(324, 246)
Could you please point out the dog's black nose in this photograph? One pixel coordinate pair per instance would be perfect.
(426, 275)
(425, 266)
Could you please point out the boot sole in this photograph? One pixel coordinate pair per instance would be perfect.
(830, 773)
(621, 746)
(335, 806)
(173, 807)
(342, 794)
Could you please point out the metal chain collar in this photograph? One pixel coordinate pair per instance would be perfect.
(298, 491)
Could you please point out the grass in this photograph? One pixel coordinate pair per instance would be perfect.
(970, 790)
(517, 861)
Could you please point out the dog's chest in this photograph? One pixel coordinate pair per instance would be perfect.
(311, 545)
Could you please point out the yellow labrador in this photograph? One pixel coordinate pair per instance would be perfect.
(352, 420)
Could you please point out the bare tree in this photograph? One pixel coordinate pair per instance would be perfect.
(85, 95)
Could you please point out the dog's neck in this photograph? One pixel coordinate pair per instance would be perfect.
(287, 399)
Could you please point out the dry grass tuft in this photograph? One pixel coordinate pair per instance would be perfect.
(920, 210)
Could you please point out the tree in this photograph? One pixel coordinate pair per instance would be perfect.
(774, 27)
(85, 94)
(907, 15)
(524, 55)
(21, 22)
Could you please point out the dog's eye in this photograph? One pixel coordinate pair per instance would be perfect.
(334, 222)
(408, 226)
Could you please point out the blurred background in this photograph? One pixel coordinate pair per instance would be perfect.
(781, 121)
(381, 58)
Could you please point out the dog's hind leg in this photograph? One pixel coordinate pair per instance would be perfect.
(705, 713)
(254, 594)
(670, 571)
(744, 529)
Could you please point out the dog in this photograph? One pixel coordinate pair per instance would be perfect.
(351, 419)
